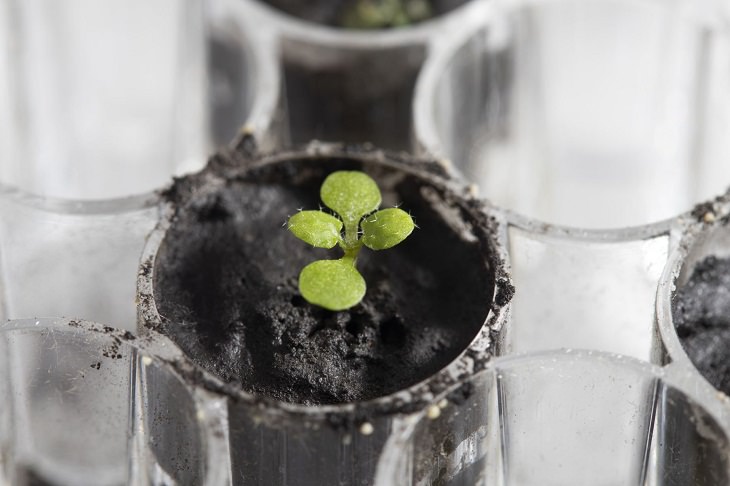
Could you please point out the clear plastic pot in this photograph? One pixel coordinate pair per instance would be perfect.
(703, 235)
(276, 442)
(89, 405)
(571, 419)
(72, 259)
(105, 101)
(340, 84)
(589, 114)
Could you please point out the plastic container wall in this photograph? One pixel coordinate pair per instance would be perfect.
(78, 260)
(110, 101)
(86, 405)
(576, 418)
(589, 114)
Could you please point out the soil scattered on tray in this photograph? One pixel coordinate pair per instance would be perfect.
(226, 285)
(701, 312)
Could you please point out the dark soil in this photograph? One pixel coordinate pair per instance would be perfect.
(701, 312)
(331, 12)
(226, 285)
(365, 97)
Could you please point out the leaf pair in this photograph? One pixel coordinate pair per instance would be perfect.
(354, 197)
(380, 231)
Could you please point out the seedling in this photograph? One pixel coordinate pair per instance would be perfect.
(354, 197)
(381, 14)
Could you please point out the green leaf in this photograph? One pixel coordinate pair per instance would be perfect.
(316, 228)
(333, 284)
(351, 194)
(386, 228)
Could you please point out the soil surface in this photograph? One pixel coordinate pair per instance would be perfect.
(331, 12)
(701, 311)
(226, 274)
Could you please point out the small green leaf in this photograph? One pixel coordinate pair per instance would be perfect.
(316, 228)
(333, 284)
(386, 228)
(351, 194)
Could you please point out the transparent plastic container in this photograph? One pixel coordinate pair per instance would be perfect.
(591, 124)
(571, 419)
(704, 234)
(88, 405)
(72, 259)
(277, 442)
(105, 100)
(589, 114)
(347, 85)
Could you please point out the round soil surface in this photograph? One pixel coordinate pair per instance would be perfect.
(701, 312)
(225, 284)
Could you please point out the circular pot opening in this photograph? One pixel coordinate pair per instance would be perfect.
(365, 14)
(225, 283)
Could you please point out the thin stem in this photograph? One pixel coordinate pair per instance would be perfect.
(351, 257)
(351, 234)
(351, 244)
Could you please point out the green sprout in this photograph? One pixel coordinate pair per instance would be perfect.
(381, 14)
(354, 197)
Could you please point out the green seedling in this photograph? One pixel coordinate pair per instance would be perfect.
(381, 14)
(354, 197)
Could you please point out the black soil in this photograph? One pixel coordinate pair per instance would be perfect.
(367, 96)
(331, 12)
(701, 312)
(226, 285)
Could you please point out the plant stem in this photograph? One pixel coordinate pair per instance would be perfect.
(351, 243)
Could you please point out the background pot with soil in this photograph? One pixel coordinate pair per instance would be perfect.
(347, 84)
(314, 394)
(366, 14)
(694, 299)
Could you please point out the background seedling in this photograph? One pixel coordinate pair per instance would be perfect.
(381, 14)
(355, 198)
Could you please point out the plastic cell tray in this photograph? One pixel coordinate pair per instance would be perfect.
(596, 129)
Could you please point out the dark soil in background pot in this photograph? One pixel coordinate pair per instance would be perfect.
(225, 282)
(701, 312)
(359, 95)
(334, 13)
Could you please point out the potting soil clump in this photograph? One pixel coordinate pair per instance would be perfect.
(225, 282)
(701, 311)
